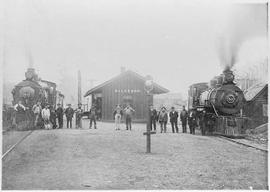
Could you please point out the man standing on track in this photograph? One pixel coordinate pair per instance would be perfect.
(37, 111)
(59, 114)
(45, 113)
(183, 117)
(20, 111)
(69, 115)
(173, 119)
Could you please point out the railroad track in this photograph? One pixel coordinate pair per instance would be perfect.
(244, 144)
(17, 143)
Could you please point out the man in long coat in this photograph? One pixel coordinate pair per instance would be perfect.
(192, 121)
(173, 119)
(183, 117)
(129, 111)
(69, 115)
(60, 114)
(93, 116)
(153, 117)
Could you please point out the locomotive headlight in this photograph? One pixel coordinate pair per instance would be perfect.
(230, 98)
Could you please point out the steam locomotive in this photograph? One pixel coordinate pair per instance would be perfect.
(29, 92)
(219, 106)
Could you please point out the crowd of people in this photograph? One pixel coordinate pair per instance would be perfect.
(160, 117)
(163, 115)
(49, 117)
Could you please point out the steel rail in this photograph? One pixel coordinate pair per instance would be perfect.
(240, 143)
(13, 146)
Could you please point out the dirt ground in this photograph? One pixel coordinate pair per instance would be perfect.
(109, 159)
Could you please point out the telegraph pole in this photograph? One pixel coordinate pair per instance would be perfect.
(79, 87)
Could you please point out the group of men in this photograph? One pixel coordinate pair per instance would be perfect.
(162, 117)
(50, 116)
(127, 112)
(53, 118)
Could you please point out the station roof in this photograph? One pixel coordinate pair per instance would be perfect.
(252, 92)
(157, 88)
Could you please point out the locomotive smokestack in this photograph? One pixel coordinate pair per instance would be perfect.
(228, 77)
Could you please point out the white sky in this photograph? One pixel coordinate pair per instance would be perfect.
(174, 41)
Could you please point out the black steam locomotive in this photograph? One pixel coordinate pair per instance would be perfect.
(219, 106)
(29, 92)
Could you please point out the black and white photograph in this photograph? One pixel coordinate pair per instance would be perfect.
(134, 94)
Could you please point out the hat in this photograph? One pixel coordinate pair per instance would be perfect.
(58, 104)
(172, 107)
(79, 104)
(163, 108)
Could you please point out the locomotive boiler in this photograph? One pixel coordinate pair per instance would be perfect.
(219, 104)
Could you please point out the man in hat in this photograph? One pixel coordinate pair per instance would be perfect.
(173, 119)
(92, 117)
(59, 114)
(128, 113)
(163, 118)
(79, 113)
(202, 121)
(53, 117)
(69, 115)
(37, 111)
(192, 121)
(20, 112)
(183, 117)
(45, 113)
(153, 117)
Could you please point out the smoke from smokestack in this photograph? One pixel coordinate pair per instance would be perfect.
(227, 52)
(245, 22)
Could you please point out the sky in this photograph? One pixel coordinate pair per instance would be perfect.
(177, 42)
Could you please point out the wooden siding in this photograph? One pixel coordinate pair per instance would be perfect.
(115, 92)
(254, 109)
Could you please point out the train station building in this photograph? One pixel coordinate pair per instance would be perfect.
(256, 107)
(125, 88)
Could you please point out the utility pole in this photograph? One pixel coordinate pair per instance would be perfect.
(79, 87)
